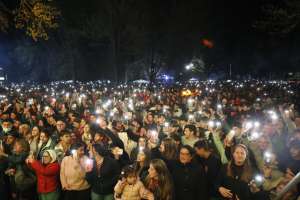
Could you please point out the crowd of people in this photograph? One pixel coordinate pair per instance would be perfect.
(209, 140)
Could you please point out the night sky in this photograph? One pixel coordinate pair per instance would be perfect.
(168, 34)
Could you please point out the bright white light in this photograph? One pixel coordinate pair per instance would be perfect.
(267, 155)
(190, 101)
(189, 66)
(256, 124)
(249, 125)
(191, 117)
(73, 151)
(154, 133)
(112, 114)
(254, 136)
(211, 124)
(126, 117)
(89, 161)
(130, 106)
(219, 106)
(259, 178)
(274, 116)
(98, 121)
(141, 149)
(218, 124)
(231, 134)
(167, 124)
(271, 112)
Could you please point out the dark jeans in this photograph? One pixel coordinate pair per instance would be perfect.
(77, 195)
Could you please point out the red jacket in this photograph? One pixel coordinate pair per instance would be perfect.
(47, 176)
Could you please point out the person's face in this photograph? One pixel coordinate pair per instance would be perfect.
(97, 137)
(119, 126)
(143, 132)
(41, 123)
(10, 140)
(135, 124)
(66, 138)
(141, 157)
(35, 132)
(102, 122)
(295, 153)
(6, 125)
(60, 126)
(263, 144)
(185, 156)
(152, 172)
(187, 132)
(46, 158)
(44, 138)
(93, 118)
(142, 142)
(131, 179)
(17, 124)
(73, 137)
(200, 152)
(13, 116)
(21, 129)
(80, 152)
(268, 129)
(150, 118)
(28, 137)
(5, 116)
(33, 117)
(161, 120)
(162, 147)
(51, 121)
(279, 125)
(86, 128)
(17, 148)
(239, 156)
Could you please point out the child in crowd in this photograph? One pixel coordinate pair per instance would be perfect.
(130, 187)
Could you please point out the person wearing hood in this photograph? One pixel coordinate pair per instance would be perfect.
(47, 172)
(45, 143)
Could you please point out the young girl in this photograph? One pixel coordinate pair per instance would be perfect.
(130, 187)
